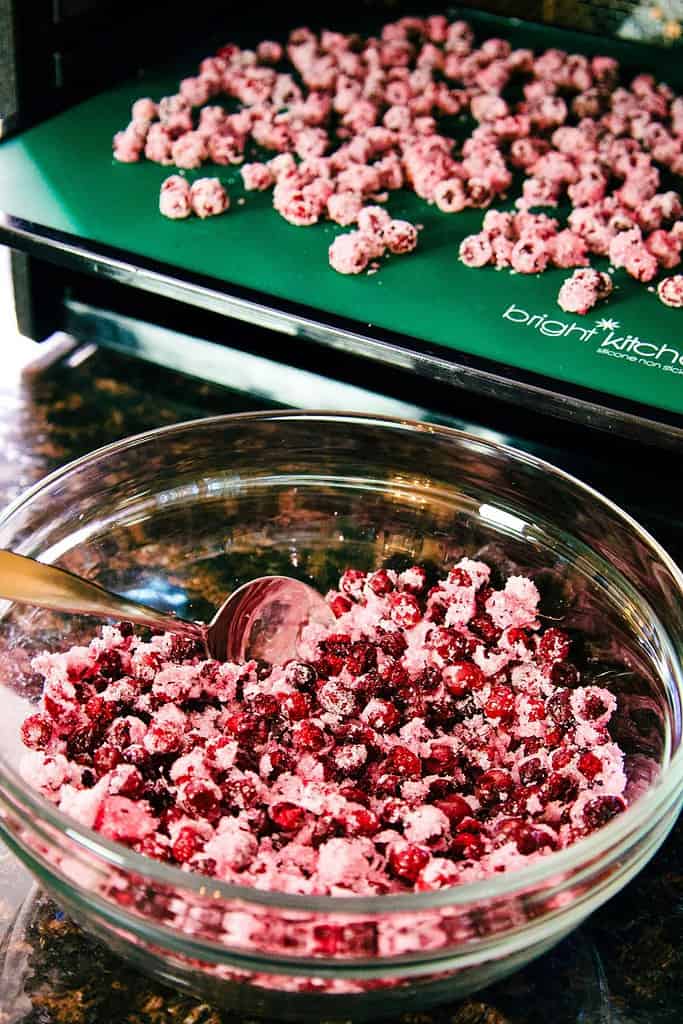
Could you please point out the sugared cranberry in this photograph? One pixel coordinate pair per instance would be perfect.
(494, 786)
(462, 677)
(109, 664)
(101, 711)
(442, 759)
(308, 736)
(532, 771)
(201, 798)
(485, 627)
(447, 645)
(126, 780)
(296, 706)
(248, 728)
(105, 759)
(360, 822)
(186, 845)
(351, 583)
(392, 642)
(403, 762)
(353, 794)
(454, 807)
(559, 708)
(264, 705)
(530, 840)
(406, 861)
(517, 637)
(602, 809)
(589, 765)
(363, 658)
(125, 628)
(183, 648)
(500, 703)
(79, 746)
(593, 707)
(36, 731)
(287, 816)
(466, 846)
(280, 761)
(554, 645)
(414, 580)
(300, 674)
(153, 846)
(339, 605)
(380, 582)
(381, 715)
(564, 674)
(561, 787)
(404, 610)
(460, 578)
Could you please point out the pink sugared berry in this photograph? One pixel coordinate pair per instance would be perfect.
(36, 731)
(406, 861)
(287, 816)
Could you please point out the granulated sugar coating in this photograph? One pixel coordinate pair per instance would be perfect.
(355, 118)
(431, 737)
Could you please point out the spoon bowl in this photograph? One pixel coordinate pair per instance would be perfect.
(261, 619)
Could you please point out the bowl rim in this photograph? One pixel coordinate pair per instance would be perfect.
(552, 867)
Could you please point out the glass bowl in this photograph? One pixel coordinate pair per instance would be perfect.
(179, 517)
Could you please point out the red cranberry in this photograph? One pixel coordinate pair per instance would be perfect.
(300, 674)
(126, 780)
(186, 845)
(414, 580)
(394, 675)
(532, 771)
(442, 787)
(436, 612)
(382, 716)
(442, 759)
(201, 798)
(287, 816)
(460, 578)
(483, 596)
(392, 642)
(105, 759)
(447, 644)
(494, 786)
(530, 839)
(563, 674)
(428, 680)
(264, 705)
(469, 824)
(362, 659)
(125, 628)
(79, 746)
(296, 706)
(466, 846)
(109, 664)
(516, 636)
(36, 731)
(101, 711)
(308, 736)
(153, 846)
(602, 809)
(554, 645)
(404, 610)
(351, 584)
(248, 728)
(381, 782)
(403, 762)
(561, 787)
(353, 794)
(501, 703)
(559, 708)
(593, 707)
(280, 761)
(589, 765)
(406, 860)
(361, 822)
(485, 628)
(411, 702)
(380, 582)
(339, 605)
(454, 807)
(462, 677)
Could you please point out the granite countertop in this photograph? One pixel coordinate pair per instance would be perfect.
(624, 966)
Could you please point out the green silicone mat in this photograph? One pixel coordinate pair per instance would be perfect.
(61, 175)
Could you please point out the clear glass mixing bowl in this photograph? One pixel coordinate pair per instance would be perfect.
(182, 515)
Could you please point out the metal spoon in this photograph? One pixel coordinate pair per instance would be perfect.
(261, 619)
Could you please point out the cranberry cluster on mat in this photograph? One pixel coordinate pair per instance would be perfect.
(432, 736)
(353, 118)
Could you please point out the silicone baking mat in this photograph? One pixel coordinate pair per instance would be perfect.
(60, 175)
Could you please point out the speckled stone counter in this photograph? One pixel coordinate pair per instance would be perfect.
(625, 966)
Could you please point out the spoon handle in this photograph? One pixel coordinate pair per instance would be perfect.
(27, 581)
